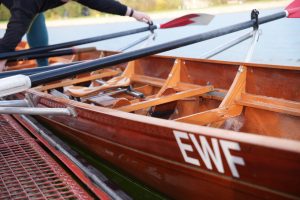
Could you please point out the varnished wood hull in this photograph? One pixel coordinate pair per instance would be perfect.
(188, 161)
(147, 149)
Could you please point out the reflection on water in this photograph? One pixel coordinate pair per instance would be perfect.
(278, 44)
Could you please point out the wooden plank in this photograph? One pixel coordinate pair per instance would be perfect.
(210, 116)
(166, 99)
(159, 82)
(173, 78)
(68, 82)
(228, 107)
(148, 140)
(270, 104)
(235, 90)
(145, 89)
(123, 80)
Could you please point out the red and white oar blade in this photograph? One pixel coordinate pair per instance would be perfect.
(293, 9)
(190, 19)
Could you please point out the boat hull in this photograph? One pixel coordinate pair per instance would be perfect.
(181, 160)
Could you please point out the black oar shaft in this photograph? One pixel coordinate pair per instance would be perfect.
(16, 54)
(57, 74)
(63, 52)
(45, 55)
(35, 70)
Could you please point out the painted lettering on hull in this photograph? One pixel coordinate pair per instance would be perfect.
(209, 153)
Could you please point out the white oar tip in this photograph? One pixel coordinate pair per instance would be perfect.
(14, 84)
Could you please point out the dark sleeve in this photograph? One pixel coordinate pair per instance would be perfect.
(107, 6)
(22, 14)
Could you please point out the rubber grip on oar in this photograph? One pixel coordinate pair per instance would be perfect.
(14, 84)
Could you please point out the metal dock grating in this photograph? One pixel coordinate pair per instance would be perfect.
(27, 171)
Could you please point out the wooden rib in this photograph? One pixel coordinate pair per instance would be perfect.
(269, 103)
(166, 99)
(237, 87)
(98, 71)
(214, 115)
(106, 74)
(178, 73)
(173, 78)
(118, 81)
(227, 108)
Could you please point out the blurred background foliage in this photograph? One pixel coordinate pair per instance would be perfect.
(73, 9)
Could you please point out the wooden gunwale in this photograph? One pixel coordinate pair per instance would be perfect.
(226, 63)
(266, 141)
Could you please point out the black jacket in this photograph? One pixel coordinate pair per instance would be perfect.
(24, 11)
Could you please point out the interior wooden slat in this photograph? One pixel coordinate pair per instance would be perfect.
(271, 104)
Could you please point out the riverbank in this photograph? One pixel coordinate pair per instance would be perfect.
(231, 8)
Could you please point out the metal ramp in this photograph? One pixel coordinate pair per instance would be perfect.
(27, 171)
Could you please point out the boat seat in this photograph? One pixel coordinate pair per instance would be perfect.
(165, 110)
(78, 91)
(108, 101)
(166, 99)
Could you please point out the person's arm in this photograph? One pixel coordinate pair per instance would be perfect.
(114, 7)
(139, 16)
(22, 13)
(107, 6)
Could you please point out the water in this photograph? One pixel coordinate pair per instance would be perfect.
(278, 44)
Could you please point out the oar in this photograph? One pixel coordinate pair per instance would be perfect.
(35, 70)
(20, 83)
(191, 19)
(56, 53)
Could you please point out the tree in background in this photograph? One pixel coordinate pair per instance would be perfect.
(4, 13)
(73, 9)
(153, 5)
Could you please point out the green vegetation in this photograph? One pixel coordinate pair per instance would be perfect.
(4, 13)
(73, 9)
(153, 5)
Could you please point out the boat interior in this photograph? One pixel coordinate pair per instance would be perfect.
(252, 98)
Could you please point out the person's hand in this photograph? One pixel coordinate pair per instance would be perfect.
(142, 17)
(2, 65)
(139, 16)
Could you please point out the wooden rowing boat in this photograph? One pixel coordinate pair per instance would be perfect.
(203, 129)
(190, 128)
